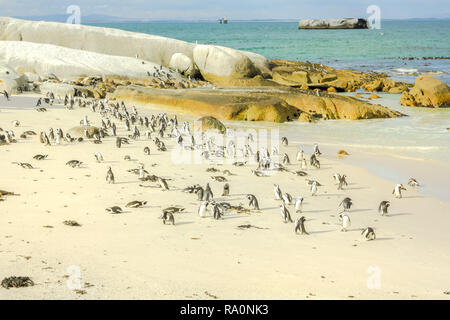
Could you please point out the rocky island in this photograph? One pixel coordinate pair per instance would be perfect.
(347, 23)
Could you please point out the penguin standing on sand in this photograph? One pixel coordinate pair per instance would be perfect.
(346, 204)
(200, 193)
(202, 210)
(300, 155)
(383, 207)
(110, 176)
(168, 218)
(98, 156)
(398, 190)
(287, 198)
(285, 214)
(277, 191)
(118, 142)
(303, 166)
(208, 193)
(253, 202)
(300, 225)
(368, 234)
(346, 223)
(314, 188)
(299, 204)
(226, 190)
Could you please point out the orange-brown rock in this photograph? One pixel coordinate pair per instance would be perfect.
(274, 104)
(427, 92)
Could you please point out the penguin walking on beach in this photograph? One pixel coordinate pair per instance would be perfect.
(168, 218)
(287, 198)
(284, 141)
(226, 190)
(314, 188)
(110, 176)
(6, 94)
(299, 225)
(368, 234)
(285, 214)
(253, 202)
(277, 191)
(342, 182)
(299, 204)
(346, 203)
(200, 193)
(118, 142)
(413, 182)
(300, 155)
(346, 223)
(208, 193)
(202, 210)
(398, 190)
(98, 157)
(383, 207)
(163, 183)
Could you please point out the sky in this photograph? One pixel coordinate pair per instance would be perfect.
(232, 9)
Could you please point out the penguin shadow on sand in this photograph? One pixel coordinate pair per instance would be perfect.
(359, 210)
(398, 214)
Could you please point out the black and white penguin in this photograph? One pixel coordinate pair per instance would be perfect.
(398, 190)
(277, 191)
(346, 204)
(368, 234)
(383, 207)
(300, 225)
(226, 190)
(110, 176)
(253, 202)
(286, 216)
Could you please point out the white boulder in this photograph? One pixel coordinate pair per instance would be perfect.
(221, 62)
(183, 64)
(68, 64)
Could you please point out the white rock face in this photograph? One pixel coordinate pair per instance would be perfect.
(183, 64)
(68, 64)
(9, 79)
(96, 39)
(351, 23)
(159, 50)
(222, 62)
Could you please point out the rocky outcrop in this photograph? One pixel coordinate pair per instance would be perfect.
(274, 104)
(183, 64)
(218, 64)
(215, 62)
(308, 75)
(63, 63)
(221, 104)
(334, 24)
(10, 80)
(109, 41)
(209, 123)
(427, 92)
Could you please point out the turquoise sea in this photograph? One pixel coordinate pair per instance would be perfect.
(406, 141)
(377, 50)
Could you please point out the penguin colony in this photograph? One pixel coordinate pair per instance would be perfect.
(160, 129)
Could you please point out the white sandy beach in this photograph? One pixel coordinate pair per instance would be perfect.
(135, 256)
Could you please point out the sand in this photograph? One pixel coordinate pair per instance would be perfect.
(135, 256)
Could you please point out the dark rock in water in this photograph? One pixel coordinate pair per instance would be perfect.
(17, 282)
(349, 23)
